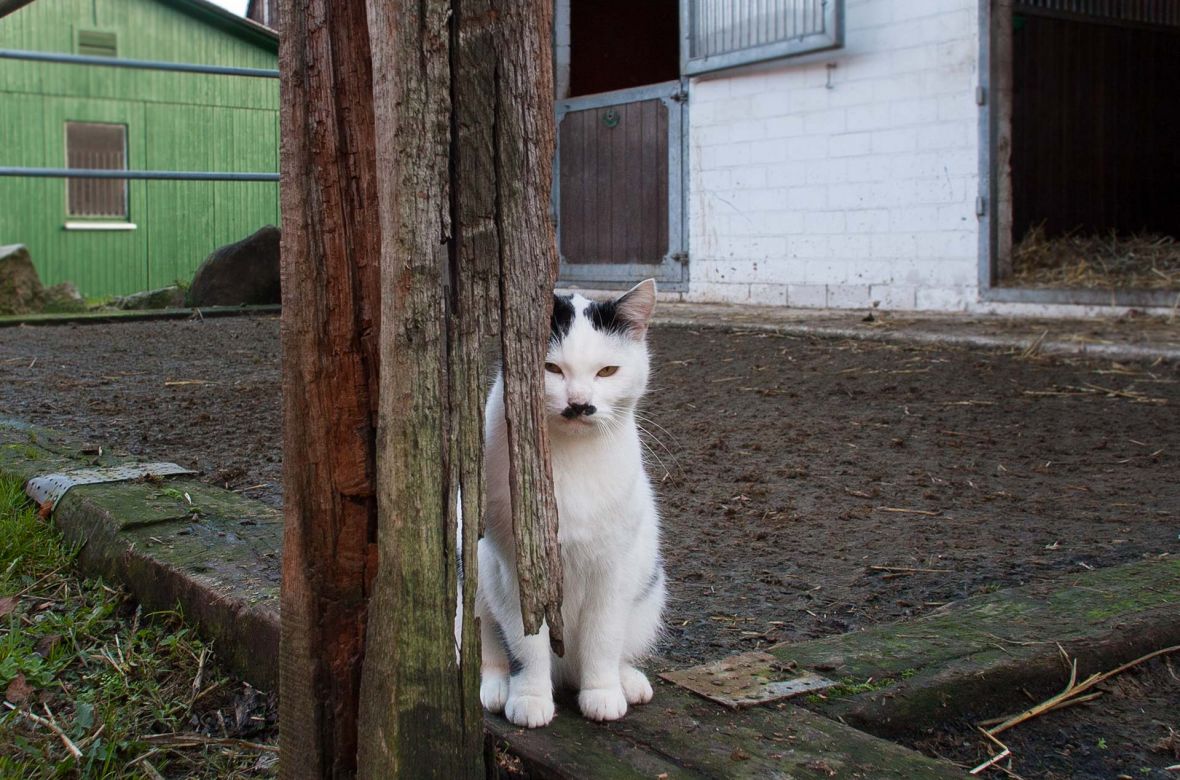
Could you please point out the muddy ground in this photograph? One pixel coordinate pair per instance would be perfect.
(800, 477)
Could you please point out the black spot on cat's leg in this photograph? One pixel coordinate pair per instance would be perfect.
(563, 317)
(514, 664)
(653, 580)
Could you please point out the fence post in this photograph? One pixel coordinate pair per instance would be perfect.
(331, 294)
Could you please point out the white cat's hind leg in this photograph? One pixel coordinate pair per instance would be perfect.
(636, 687)
(495, 666)
(530, 691)
(643, 630)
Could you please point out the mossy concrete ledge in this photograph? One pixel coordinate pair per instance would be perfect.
(680, 735)
(977, 658)
(174, 543)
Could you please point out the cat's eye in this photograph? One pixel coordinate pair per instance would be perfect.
(608, 370)
(553, 368)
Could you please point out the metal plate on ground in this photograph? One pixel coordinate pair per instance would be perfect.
(747, 679)
(49, 488)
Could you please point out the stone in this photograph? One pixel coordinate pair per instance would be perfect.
(63, 297)
(245, 273)
(172, 297)
(20, 286)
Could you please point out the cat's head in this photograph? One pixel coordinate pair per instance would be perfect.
(597, 365)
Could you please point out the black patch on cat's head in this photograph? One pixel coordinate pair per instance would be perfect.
(604, 316)
(563, 317)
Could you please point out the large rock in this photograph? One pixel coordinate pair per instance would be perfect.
(245, 273)
(20, 286)
(63, 297)
(172, 297)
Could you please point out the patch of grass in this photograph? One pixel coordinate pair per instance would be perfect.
(80, 663)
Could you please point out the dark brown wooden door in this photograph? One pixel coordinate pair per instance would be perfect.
(619, 192)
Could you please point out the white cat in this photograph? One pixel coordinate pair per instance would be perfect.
(608, 527)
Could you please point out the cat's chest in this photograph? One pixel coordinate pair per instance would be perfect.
(597, 492)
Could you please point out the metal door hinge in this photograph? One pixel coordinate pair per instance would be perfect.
(680, 257)
(680, 96)
(981, 96)
(980, 206)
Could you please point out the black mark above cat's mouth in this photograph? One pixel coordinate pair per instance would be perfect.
(573, 411)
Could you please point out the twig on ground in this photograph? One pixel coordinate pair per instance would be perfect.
(198, 740)
(1073, 690)
(904, 511)
(908, 569)
(1004, 753)
(69, 743)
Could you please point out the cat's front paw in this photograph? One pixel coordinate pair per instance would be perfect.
(635, 685)
(603, 703)
(529, 711)
(493, 691)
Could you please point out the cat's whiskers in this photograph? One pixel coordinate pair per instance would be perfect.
(639, 420)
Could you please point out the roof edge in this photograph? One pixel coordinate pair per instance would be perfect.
(244, 28)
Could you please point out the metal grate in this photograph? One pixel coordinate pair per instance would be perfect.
(97, 43)
(101, 146)
(1164, 13)
(721, 26)
(725, 33)
(49, 488)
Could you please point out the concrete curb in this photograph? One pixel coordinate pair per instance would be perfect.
(107, 317)
(976, 658)
(175, 544)
(912, 335)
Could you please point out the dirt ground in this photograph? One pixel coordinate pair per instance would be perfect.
(793, 471)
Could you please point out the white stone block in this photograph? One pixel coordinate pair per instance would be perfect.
(807, 296)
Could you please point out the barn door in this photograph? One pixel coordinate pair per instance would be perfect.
(619, 187)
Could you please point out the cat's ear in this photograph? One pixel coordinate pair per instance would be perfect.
(635, 308)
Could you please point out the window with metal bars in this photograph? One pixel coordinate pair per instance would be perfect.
(98, 43)
(96, 146)
(722, 34)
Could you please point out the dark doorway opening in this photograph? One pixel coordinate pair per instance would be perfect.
(1095, 163)
(617, 44)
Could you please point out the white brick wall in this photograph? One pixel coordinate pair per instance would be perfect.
(864, 192)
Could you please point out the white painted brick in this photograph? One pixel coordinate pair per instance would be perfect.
(894, 297)
(944, 135)
(768, 294)
(941, 298)
(919, 112)
(873, 116)
(892, 245)
(824, 222)
(807, 296)
(849, 144)
(811, 147)
(848, 296)
(868, 221)
(712, 292)
(850, 246)
(893, 141)
(762, 152)
(825, 122)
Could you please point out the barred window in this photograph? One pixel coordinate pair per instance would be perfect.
(104, 146)
(727, 33)
(98, 43)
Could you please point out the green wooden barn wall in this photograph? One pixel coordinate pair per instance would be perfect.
(175, 121)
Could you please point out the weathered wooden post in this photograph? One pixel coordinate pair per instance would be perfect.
(331, 299)
(383, 441)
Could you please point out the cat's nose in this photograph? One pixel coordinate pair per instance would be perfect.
(577, 410)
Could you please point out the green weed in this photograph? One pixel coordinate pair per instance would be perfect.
(78, 656)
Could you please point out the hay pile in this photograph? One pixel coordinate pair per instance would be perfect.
(1142, 262)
